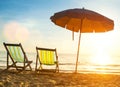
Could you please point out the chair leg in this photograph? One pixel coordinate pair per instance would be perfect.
(57, 67)
(28, 65)
(40, 67)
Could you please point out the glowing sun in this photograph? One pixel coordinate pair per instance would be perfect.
(101, 59)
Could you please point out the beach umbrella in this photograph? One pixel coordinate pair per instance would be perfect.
(82, 21)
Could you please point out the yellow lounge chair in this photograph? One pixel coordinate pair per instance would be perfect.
(46, 57)
(18, 57)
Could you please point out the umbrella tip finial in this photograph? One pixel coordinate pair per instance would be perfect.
(83, 8)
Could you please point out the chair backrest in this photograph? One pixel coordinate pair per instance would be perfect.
(46, 56)
(15, 51)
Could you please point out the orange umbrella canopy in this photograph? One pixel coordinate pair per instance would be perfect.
(82, 19)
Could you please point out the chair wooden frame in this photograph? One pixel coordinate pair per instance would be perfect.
(40, 67)
(26, 63)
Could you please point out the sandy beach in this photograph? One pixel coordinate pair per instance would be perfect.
(11, 78)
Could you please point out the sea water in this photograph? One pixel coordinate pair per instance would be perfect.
(67, 62)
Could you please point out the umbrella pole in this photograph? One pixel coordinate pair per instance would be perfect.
(78, 52)
(72, 35)
(78, 45)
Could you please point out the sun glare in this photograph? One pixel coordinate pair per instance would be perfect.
(101, 59)
(102, 45)
(13, 31)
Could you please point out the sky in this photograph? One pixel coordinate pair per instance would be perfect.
(28, 22)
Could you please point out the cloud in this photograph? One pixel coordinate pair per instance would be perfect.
(14, 31)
